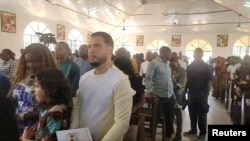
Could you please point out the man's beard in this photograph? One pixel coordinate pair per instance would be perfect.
(95, 64)
(99, 62)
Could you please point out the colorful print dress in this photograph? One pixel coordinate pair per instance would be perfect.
(24, 98)
(52, 120)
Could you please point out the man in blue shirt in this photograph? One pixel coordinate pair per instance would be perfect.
(158, 82)
(82, 61)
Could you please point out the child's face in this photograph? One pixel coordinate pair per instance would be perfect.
(39, 92)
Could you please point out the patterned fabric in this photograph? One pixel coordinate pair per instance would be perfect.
(52, 120)
(23, 96)
(8, 68)
(220, 80)
(242, 75)
(179, 78)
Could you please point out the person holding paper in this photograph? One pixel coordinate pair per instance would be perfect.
(52, 94)
(104, 98)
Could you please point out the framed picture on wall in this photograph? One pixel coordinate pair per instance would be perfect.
(222, 40)
(176, 40)
(8, 22)
(139, 40)
(60, 34)
(88, 36)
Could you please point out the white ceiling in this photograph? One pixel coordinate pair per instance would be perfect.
(138, 16)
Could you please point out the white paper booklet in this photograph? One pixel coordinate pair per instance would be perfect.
(80, 134)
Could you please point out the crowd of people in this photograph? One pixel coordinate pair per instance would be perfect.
(231, 82)
(43, 92)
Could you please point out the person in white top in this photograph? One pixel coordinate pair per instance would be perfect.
(230, 66)
(144, 65)
(104, 98)
(235, 67)
(8, 63)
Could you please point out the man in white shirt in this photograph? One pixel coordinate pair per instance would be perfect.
(104, 99)
(235, 67)
(144, 65)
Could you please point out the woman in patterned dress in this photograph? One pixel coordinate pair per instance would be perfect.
(36, 56)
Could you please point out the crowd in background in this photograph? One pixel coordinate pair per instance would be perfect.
(51, 91)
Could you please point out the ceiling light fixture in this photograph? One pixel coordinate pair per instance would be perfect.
(89, 10)
(123, 28)
(175, 21)
(238, 26)
(165, 13)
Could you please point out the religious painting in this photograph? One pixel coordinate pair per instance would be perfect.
(8, 22)
(60, 32)
(222, 40)
(139, 40)
(176, 40)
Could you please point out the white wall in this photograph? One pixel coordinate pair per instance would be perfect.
(14, 41)
(185, 39)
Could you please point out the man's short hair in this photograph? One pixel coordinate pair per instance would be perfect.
(106, 37)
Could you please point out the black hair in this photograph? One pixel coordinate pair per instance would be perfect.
(65, 45)
(55, 85)
(246, 60)
(106, 37)
(8, 123)
(198, 52)
(174, 59)
(9, 53)
(125, 65)
(41, 53)
(174, 54)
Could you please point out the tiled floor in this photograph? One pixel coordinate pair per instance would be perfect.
(217, 115)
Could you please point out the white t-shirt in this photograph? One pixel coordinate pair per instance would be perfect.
(229, 68)
(235, 67)
(143, 70)
(144, 67)
(105, 104)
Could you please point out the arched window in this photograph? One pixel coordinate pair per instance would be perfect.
(241, 47)
(30, 35)
(123, 42)
(74, 40)
(204, 45)
(155, 45)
